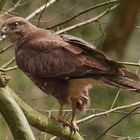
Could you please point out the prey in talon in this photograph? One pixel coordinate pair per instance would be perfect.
(64, 66)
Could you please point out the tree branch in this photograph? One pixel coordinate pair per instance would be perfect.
(36, 12)
(130, 63)
(83, 12)
(5, 48)
(43, 123)
(8, 63)
(87, 21)
(117, 123)
(108, 111)
(8, 69)
(14, 116)
(121, 27)
(11, 9)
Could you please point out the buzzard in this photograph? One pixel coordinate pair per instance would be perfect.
(63, 66)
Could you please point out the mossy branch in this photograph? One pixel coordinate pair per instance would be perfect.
(14, 116)
(45, 124)
(9, 101)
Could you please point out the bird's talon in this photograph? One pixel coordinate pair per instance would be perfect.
(61, 120)
(64, 122)
(74, 128)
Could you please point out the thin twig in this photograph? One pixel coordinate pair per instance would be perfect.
(100, 26)
(122, 137)
(108, 111)
(137, 27)
(11, 9)
(8, 63)
(137, 69)
(5, 48)
(130, 63)
(45, 136)
(40, 9)
(117, 123)
(53, 138)
(87, 21)
(8, 69)
(116, 97)
(41, 13)
(83, 12)
(69, 110)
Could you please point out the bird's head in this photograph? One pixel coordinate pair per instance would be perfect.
(15, 28)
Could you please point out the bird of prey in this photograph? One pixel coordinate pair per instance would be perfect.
(63, 66)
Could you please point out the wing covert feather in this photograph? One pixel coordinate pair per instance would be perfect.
(60, 58)
(47, 59)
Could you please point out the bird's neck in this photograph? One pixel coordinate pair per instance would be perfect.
(25, 35)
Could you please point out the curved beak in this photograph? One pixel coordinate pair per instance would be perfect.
(3, 33)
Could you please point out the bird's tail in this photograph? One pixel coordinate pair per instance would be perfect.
(127, 80)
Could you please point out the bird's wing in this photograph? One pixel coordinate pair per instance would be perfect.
(116, 75)
(53, 58)
(85, 47)
(92, 53)
(47, 58)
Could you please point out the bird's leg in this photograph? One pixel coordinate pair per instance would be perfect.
(60, 114)
(73, 119)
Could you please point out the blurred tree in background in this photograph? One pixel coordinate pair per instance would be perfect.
(112, 26)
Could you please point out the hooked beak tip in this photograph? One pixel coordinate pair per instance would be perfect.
(2, 37)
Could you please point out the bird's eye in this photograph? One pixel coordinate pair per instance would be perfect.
(16, 24)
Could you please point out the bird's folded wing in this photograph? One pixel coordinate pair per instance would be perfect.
(47, 59)
(57, 58)
(86, 47)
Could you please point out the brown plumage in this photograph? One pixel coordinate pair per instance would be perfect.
(62, 65)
